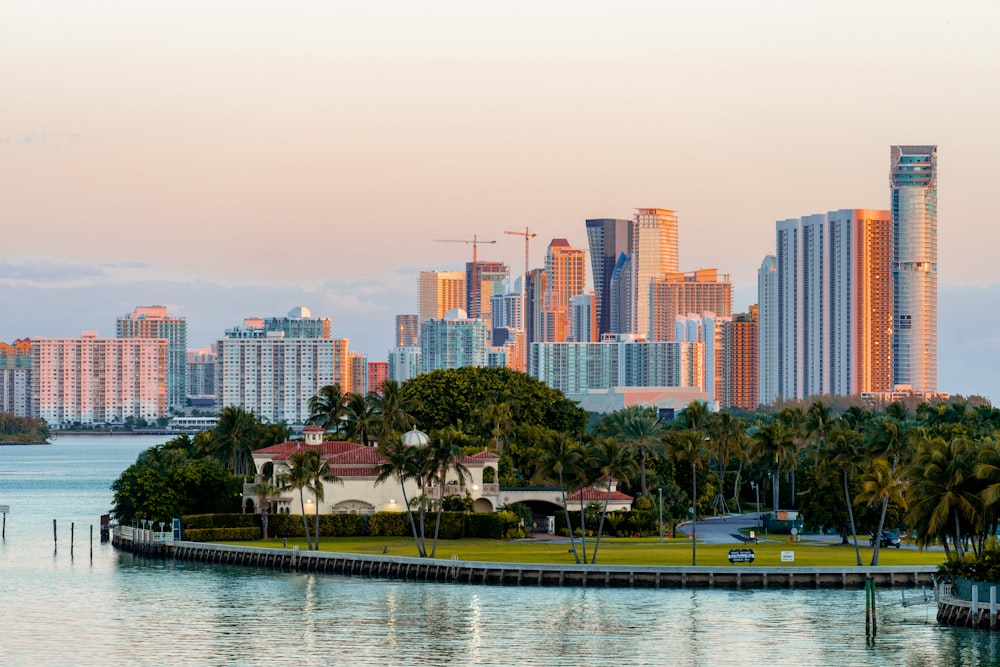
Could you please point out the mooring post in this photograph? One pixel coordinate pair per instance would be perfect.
(874, 611)
(55, 537)
(72, 535)
(868, 608)
(993, 607)
(975, 604)
(91, 542)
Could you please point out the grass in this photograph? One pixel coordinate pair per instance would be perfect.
(619, 551)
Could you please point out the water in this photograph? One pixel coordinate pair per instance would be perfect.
(58, 609)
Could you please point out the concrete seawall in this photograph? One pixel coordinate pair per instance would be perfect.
(534, 574)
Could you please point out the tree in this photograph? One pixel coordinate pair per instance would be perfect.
(940, 497)
(298, 475)
(496, 417)
(359, 417)
(879, 485)
(322, 474)
(445, 453)
(393, 411)
(842, 450)
(773, 445)
(727, 436)
(608, 458)
(640, 429)
(264, 490)
(404, 464)
(688, 445)
(561, 456)
(235, 435)
(326, 408)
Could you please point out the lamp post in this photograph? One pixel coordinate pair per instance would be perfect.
(660, 492)
(756, 489)
(694, 515)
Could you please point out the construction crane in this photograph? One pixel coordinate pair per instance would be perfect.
(528, 235)
(475, 268)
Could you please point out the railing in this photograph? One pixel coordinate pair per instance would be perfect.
(491, 489)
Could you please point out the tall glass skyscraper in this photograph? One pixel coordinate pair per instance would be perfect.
(913, 179)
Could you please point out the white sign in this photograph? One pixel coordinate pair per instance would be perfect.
(787, 556)
(4, 509)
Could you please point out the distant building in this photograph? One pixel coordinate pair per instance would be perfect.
(491, 277)
(608, 238)
(583, 318)
(200, 373)
(913, 183)
(378, 373)
(276, 376)
(653, 252)
(407, 331)
(565, 273)
(767, 332)
(299, 323)
(706, 328)
(454, 341)
(676, 294)
(97, 381)
(404, 363)
(623, 362)
(16, 377)
(738, 365)
(156, 322)
(359, 373)
(439, 292)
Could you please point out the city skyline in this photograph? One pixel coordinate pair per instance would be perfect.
(312, 157)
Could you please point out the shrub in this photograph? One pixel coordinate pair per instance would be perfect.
(484, 525)
(222, 534)
(200, 521)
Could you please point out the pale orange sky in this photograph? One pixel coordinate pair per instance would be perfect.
(305, 145)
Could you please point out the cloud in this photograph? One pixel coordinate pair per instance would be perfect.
(40, 138)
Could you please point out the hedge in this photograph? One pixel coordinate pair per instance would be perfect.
(222, 534)
(454, 525)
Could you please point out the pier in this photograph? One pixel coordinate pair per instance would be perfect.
(734, 577)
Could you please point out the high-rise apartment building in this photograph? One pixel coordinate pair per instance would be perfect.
(705, 328)
(359, 373)
(15, 378)
(440, 292)
(534, 295)
(621, 292)
(574, 368)
(833, 308)
(98, 381)
(299, 323)
(491, 277)
(738, 367)
(378, 373)
(608, 238)
(404, 363)
(583, 318)
(767, 334)
(276, 376)
(913, 182)
(681, 293)
(565, 270)
(407, 331)
(156, 322)
(653, 253)
(200, 373)
(454, 341)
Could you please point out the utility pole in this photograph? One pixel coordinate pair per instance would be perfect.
(475, 269)
(524, 292)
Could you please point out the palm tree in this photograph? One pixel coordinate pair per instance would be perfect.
(689, 445)
(264, 490)
(298, 475)
(880, 485)
(940, 496)
(640, 429)
(326, 408)
(560, 456)
(445, 453)
(404, 465)
(842, 450)
(393, 410)
(496, 416)
(609, 459)
(359, 417)
(727, 435)
(818, 419)
(322, 473)
(774, 445)
(234, 436)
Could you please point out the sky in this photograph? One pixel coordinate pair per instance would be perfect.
(236, 159)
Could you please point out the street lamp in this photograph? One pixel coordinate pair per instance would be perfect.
(756, 489)
(660, 491)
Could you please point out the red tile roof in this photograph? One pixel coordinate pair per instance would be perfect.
(598, 495)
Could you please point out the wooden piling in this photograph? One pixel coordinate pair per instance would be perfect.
(55, 537)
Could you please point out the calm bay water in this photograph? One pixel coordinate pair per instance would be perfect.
(57, 608)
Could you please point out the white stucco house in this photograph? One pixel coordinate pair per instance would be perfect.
(356, 465)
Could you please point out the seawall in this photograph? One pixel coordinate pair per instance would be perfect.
(534, 574)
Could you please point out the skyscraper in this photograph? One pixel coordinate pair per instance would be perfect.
(438, 292)
(684, 293)
(565, 269)
(913, 181)
(608, 238)
(738, 368)
(767, 333)
(156, 322)
(407, 330)
(491, 276)
(833, 303)
(653, 250)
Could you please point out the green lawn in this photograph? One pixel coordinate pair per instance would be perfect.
(619, 551)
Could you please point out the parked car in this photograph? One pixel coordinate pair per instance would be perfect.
(887, 539)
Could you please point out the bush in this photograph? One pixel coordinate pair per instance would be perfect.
(484, 525)
(200, 521)
(222, 534)
(390, 524)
